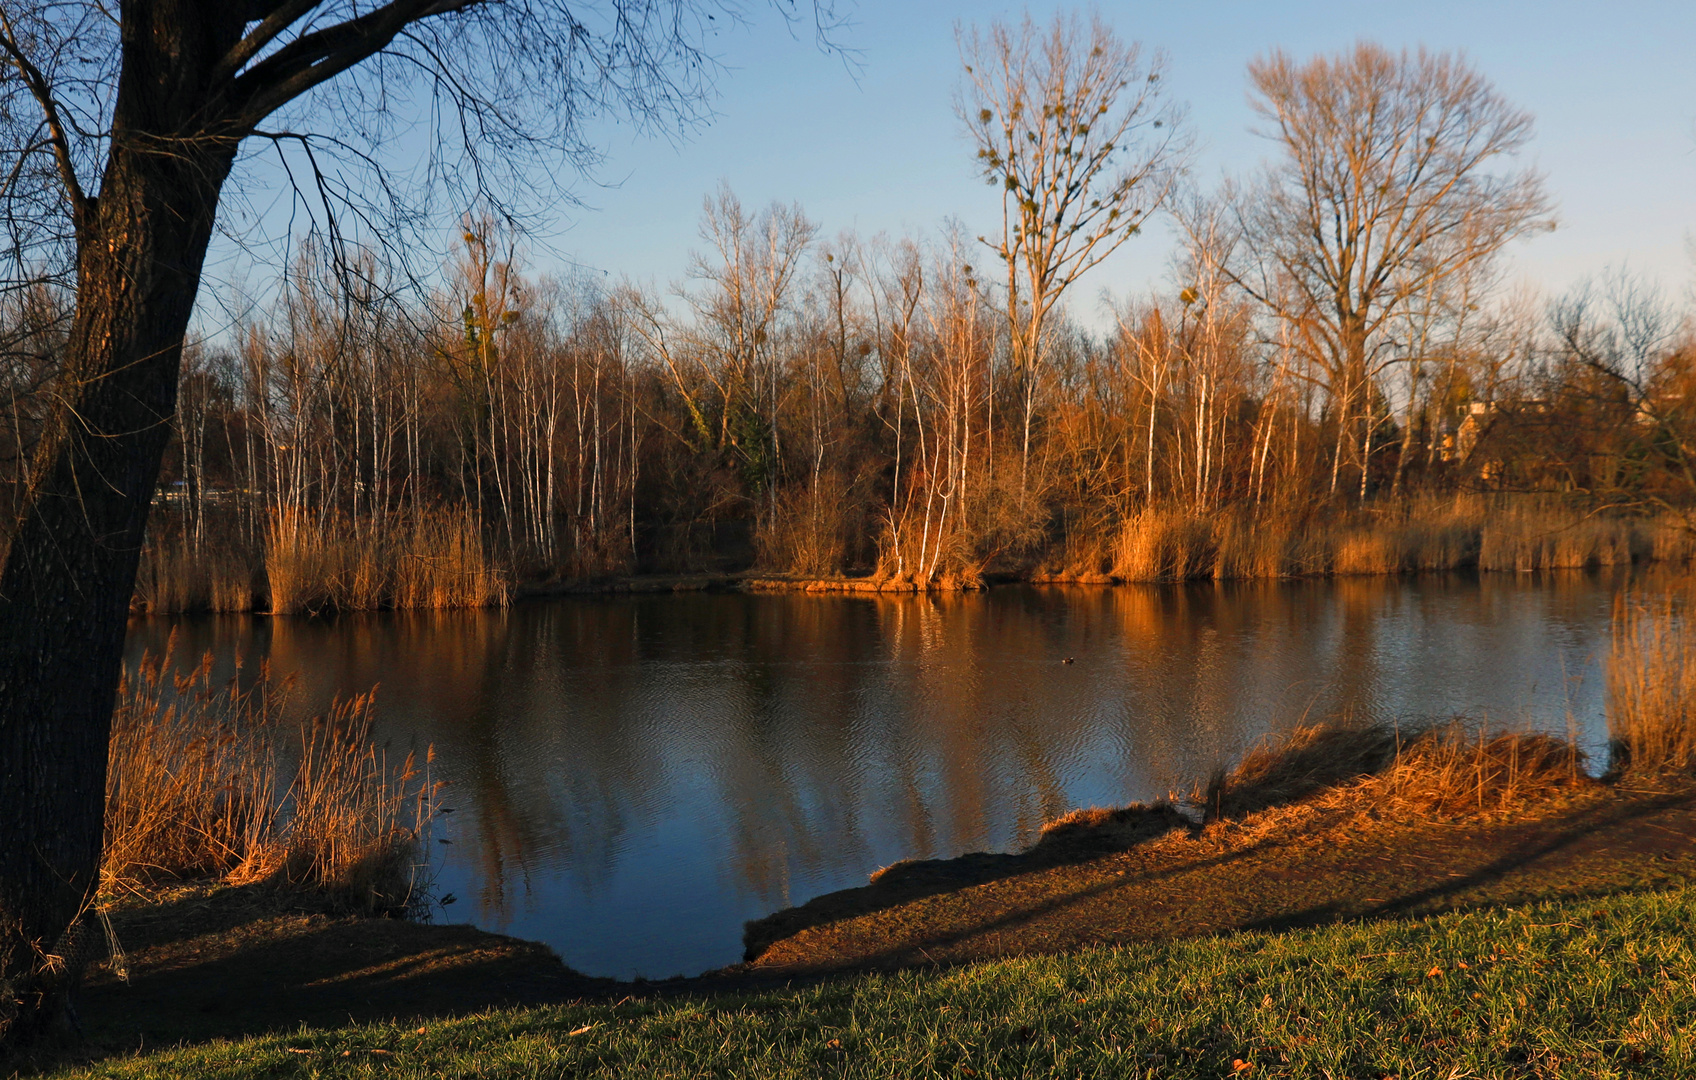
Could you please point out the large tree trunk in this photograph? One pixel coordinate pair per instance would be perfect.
(71, 563)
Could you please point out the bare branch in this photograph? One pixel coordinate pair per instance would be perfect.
(42, 91)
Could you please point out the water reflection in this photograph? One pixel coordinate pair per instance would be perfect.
(635, 777)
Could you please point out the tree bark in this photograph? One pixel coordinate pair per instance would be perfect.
(71, 563)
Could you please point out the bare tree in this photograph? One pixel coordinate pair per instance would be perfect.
(122, 126)
(1388, 192)
(744, 314)
(1617, 344)
(1071, 126)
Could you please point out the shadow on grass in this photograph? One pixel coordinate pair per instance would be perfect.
(245, 961)
(1630, 841)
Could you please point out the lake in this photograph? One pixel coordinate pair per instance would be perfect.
(632, 777)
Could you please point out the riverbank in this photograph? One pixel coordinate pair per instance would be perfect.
(1226, 928)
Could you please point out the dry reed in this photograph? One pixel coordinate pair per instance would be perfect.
(1520, 534)
(1447, 769)
(1526, 537)
(208, 780)
(1651, 686)
(1297, 766)
(1457, 768)
(1166, 545)
(189, 777)
(178, 576)
(427, 560)
(1251, 549)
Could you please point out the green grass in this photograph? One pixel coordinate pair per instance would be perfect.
(1596, 988)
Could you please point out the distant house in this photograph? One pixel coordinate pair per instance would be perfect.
(177, 492)
(1458, 446)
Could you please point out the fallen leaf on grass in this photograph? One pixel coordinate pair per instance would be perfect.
(1241, 1066)
(834, 1044)
(1435, 972)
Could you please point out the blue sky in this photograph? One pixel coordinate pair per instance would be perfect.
(1612, 86)
(876, 147)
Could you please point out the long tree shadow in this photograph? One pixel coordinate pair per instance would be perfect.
(1566, 855)
(245, 962)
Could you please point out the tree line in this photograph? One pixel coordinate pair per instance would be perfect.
(927, 410)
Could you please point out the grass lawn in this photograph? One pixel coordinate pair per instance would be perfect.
(1576, 988)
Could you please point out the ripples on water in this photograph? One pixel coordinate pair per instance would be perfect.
(634, 777)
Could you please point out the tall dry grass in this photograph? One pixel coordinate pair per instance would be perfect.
(1532, 536)
(431, 559)
(1178, 544)
(1458, 768)
(210, 781)
(1448, 769)
(1651, 685)
(1166, 545)
(1295, 767)
(177, 576)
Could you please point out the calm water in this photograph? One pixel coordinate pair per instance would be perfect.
(633, 778)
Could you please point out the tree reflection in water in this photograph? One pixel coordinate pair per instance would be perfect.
(634, 777)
